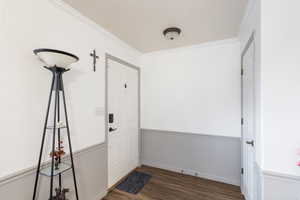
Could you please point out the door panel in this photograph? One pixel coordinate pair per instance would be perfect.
(123, 102)
(248, 122)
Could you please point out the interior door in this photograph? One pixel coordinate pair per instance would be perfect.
(248, 104)
(123, 121)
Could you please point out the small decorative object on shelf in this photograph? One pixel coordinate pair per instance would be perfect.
(60, 194)
(58, 62)
(58, 155)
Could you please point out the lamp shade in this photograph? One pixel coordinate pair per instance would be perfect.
(56, 58)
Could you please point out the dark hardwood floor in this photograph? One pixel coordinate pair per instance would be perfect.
(166, 185)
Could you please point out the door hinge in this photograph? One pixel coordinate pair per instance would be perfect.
(242, 72)
(242, 170)
(242, 121)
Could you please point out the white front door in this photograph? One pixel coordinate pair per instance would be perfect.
(123, 120)
(248, 140)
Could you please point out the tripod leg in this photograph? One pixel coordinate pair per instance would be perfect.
(43, 140)
(69, 138)
(53, 137)
(58, 133)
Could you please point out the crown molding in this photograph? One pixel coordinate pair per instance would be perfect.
(60, 4)
(197, 46)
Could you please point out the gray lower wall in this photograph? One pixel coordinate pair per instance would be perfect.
(212, 157)
(270, 185)
(91, 170)
(280, 186)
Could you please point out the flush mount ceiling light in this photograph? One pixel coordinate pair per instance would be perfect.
(172, 33)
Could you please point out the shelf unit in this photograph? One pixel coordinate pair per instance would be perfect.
(62, 167)
(52, 127)
(57, 88)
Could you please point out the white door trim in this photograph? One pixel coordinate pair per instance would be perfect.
(251, 41)
(125, 64)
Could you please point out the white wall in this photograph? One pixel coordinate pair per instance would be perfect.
(193, 89)
(281, 85)
(277, 68)
(31, 24)
(278, 140)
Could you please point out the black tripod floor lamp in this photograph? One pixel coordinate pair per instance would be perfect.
(58, 62)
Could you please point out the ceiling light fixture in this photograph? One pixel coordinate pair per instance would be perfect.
(172, 33)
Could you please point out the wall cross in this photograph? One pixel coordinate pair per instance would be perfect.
(95, 57)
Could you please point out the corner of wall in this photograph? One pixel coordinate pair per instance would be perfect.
(100, 195)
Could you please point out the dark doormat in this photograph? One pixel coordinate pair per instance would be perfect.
(134, 183)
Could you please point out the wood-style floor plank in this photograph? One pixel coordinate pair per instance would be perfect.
(167, 185)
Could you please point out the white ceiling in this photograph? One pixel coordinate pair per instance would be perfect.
(140, 22)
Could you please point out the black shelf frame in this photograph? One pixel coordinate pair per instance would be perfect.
(57, 87)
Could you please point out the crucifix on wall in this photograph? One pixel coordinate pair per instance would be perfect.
(95, 57)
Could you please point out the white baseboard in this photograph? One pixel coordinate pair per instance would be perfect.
(192, 173)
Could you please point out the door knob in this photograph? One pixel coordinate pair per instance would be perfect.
(251, 142)
(112, 129)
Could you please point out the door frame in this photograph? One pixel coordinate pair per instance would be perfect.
(250, 41)
(129, 65)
